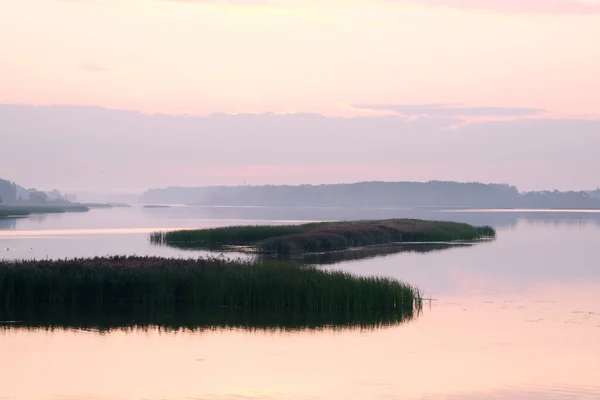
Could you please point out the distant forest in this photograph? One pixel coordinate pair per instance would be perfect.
(436, 194)
(11, 193)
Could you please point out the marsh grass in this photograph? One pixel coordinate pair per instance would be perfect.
(323, 236)
(230, 235)
(149, 289)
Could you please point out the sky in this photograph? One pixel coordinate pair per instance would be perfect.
(454, 67)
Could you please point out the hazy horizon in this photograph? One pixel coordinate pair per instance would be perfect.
(227, 92)
(98, 149)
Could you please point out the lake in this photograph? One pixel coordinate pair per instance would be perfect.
(516, 318)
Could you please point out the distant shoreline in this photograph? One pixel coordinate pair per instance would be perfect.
(24, 210)
(416, 195)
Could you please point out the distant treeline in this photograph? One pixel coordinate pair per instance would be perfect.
(11, 193)
(377, 194)
(8, 191)
(16, 201)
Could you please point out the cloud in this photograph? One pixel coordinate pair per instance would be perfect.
(93, 67)
(205, 2)
(503, 6)
(226, 2)
(452, 110)
(87, 2)
(165, 150)
(517, 6)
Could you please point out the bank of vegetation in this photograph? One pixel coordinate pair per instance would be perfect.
(322, 236)
(28, 209)
(150, 288)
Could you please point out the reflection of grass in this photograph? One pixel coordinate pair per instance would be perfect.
(11, 213)
(150, 289)
(323, 236)
(377, 251)
(106, 205)
(205, 319)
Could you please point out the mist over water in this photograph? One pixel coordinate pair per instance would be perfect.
(514, 318)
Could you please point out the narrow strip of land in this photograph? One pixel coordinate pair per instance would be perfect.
(322, 236)
(28, 209)
(23, 210)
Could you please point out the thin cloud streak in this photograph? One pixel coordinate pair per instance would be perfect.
(225, 2)
(452, 110)
(581, 7)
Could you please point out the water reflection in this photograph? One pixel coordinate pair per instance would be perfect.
(463, 349)
(550, 392)
(495, 218)
(332, 257)
(196, 216)
(370, 252)
(206, 320)
(8, 223)
(515, 319)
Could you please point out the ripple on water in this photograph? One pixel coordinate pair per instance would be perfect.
(546, 392)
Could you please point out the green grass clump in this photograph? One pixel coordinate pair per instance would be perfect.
(229, 235)
(323, 236)
(150, 288)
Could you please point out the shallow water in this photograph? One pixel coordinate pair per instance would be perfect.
(517, 318)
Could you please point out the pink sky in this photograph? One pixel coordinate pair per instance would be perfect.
(450, 60)
(200, 57)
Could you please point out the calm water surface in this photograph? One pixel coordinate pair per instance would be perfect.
(518, 318)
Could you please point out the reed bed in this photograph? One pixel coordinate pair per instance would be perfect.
(323, 236)
(229, 235)
(151, 286)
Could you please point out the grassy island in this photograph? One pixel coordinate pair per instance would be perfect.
(151, 289)
(322, 236)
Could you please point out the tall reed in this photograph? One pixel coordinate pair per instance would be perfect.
(147, 286)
